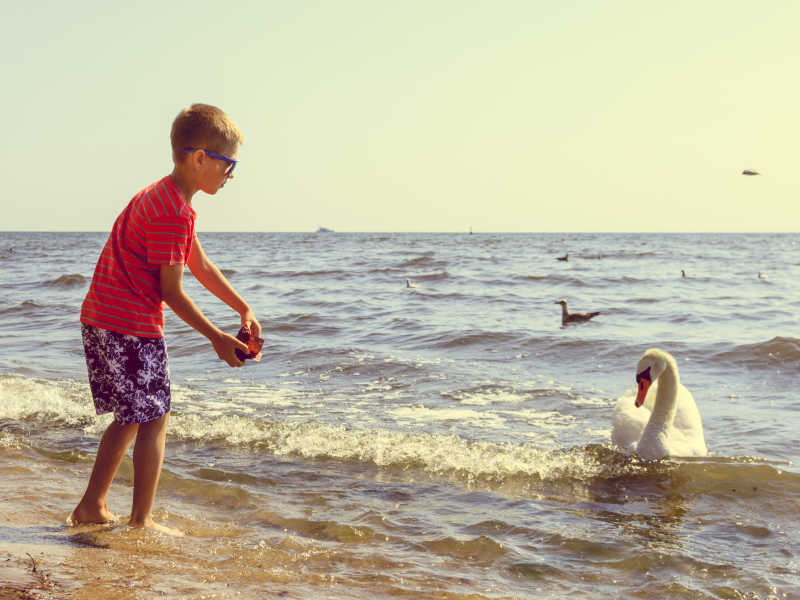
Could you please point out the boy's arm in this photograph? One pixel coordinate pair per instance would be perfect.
(172, 293)
(207, 273)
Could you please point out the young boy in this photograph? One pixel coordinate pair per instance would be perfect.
(140, 269)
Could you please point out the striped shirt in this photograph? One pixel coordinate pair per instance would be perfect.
(156, 228)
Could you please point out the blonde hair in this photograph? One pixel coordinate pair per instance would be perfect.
(203, 126)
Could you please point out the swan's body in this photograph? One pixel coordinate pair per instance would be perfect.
(662, 419)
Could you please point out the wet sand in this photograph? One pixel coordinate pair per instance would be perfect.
(115, 562)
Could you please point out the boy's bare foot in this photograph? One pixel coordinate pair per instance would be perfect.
(90, 514)
(150, 524)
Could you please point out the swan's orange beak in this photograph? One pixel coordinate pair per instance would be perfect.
(644, 385)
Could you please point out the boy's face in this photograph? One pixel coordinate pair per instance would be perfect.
(213, 173)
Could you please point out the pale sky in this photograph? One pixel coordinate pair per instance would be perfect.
(411, 115)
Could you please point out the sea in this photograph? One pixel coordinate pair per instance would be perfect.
(444, 437)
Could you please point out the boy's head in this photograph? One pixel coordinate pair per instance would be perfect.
(203, 126)
(205, 143)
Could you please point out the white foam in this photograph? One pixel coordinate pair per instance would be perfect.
(65, 402)
(70, 403)
(581, 401)
(548, 418)
(434, 453)
(460, 415)
(599, 433)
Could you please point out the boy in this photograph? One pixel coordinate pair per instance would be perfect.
(122, 324)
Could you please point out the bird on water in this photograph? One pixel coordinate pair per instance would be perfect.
(563, 258)
(567, 317)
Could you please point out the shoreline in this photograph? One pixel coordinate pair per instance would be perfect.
(27, 572)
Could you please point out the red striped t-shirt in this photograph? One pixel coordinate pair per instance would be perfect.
(156, 228)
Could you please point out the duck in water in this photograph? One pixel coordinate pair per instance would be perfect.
(567, 317)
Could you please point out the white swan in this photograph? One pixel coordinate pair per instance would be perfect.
(661, 419)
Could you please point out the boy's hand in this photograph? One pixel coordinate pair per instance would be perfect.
(225, 346)
(249, 320)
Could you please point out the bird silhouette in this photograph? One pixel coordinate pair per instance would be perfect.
(563, 258)
(567, 317)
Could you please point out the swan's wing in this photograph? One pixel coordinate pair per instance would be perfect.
(628, 421)
(687, 415)
(685, 443)
(686, 436)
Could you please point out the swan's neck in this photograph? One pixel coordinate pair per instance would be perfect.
(564, 312)
(666, 404)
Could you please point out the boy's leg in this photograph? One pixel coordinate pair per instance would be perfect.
(115, 442)
(148, 455)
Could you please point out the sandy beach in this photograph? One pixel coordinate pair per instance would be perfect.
(44, 558)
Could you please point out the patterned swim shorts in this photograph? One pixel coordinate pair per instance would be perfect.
(128, 374)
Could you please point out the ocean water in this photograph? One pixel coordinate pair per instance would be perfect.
(449, 440)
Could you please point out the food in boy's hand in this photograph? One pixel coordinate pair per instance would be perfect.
(253, 345)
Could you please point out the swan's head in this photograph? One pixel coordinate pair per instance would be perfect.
(651, 365)
(561, 302)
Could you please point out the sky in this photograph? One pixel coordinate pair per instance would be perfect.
(412, 115)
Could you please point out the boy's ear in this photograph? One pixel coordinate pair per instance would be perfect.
(195, 159)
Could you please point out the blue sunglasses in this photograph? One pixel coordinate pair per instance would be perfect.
(231, 162)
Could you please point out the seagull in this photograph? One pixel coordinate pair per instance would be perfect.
(750, 172)
(564, 258)
(410, 285)
(566, 317)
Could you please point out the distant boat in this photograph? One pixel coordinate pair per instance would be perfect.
(324, 230)
(750, 172)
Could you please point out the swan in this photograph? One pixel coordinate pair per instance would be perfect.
(662, 419)
(410, 285)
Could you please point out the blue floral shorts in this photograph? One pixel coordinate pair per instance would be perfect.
(128, 374)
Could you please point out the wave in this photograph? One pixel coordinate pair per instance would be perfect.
(299, 274)
(26, 307)
(783, 351)
(589, 472)
(432, 276)
(426, 260)
(62, 402)
(459, 339)
(550, 279)
(621, 254)
(623, 279)
(70, 280)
